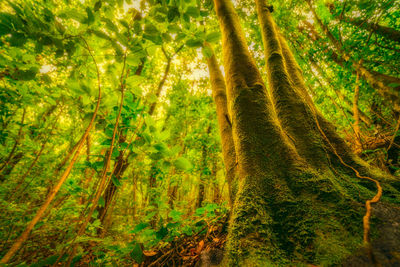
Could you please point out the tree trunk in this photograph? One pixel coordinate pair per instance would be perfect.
(384, 31)
(289, 192)
(17, 141)
(224, 122)
(120, 166)
(204, 173)
(356, 117)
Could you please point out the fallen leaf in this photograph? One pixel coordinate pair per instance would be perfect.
(200, 247)
(149, 253)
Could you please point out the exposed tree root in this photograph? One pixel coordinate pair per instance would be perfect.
(375, 199)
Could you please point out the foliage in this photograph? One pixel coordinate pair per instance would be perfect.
(150, 54)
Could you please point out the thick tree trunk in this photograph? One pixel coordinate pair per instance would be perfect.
(289, 190)
(224, 122)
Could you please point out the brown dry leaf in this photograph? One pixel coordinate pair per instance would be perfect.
(149, 253)
(200, 247)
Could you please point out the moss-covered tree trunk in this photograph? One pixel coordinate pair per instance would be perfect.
(300, 188)
(224, 122)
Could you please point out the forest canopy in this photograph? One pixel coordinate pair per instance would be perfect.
(199, 132)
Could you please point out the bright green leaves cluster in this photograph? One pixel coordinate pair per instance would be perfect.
(50, 54)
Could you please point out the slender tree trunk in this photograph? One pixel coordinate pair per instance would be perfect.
(10, 166)
(119, 169)
(216, 188)
(88, 173)
(384, 31)
(17, 141)
(204, 173)
(356, 116)
(121, 165)
(225, 126)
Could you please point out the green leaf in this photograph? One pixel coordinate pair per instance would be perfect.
(110, 25)
(139, 227)
(213, 37)
(150, 29)
(125, 24)
(194, 43)
(18, 39)
(134, 80)
(25, 75)
(156, 39)
(137, 253)
(193, 11)
(100, 34)
(146, 137)
(183, 164)
(97, 6)
(163, 232)
(172, 13)
(116, 182)
(175, 215)
(162, 148)
(207, 52)
(74, 14)
(137, 90)
(8, 22)
(152, 98)
(101, 202)
(90, 16)
(133, 60)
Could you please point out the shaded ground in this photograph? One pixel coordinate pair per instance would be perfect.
(386, 244)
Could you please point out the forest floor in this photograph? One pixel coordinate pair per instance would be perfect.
(385, 248)
(206, 248)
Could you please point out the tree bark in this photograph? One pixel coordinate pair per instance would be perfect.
(224, 122)
(281, 184)
(356, 116)
(17, 141)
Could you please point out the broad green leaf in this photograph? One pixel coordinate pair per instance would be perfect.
(139, 227)
(207, 52)
(97, 6)
(194, 43)
(173, 12)
(182, 164)
(193, 11)
(134, 80)
(133, 60)
(150, 29)
(137, 253)
(213, 37)
(90, 16)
